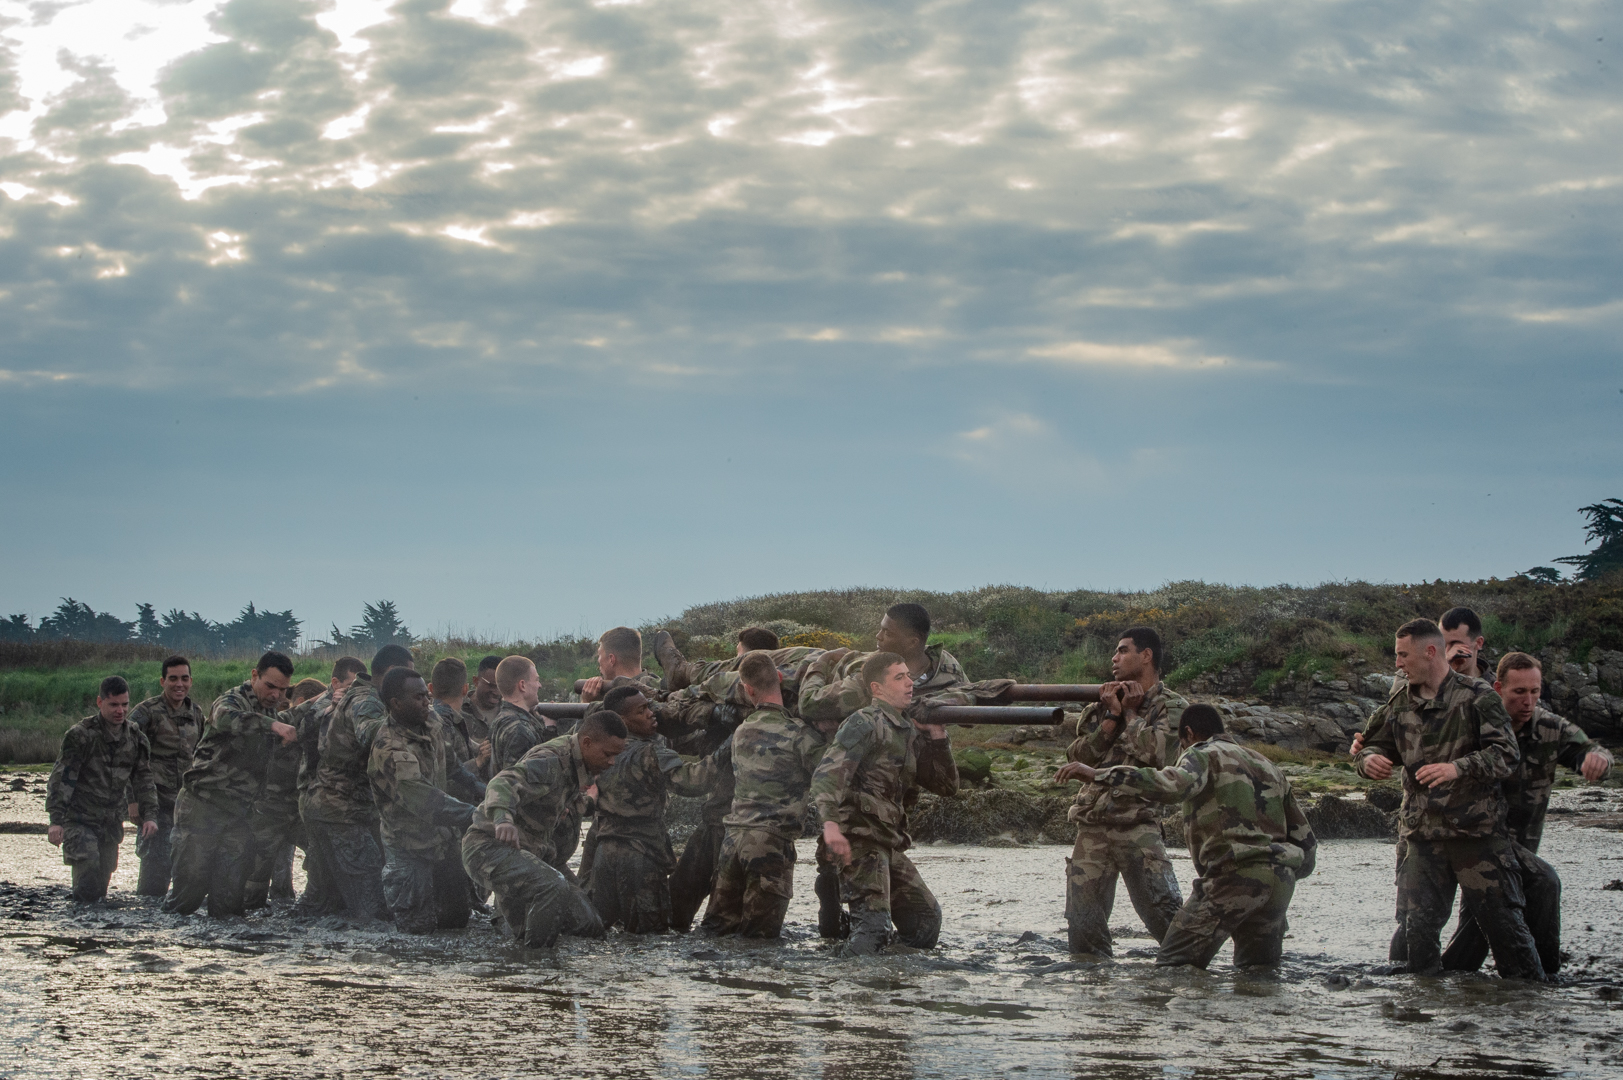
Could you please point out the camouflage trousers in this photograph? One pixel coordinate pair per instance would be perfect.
(536, 902)
(1398, 949)
(1137, 855)
(426, 894)
(888, 901)
(270, 873)
(832, 920)
(212, 848)
(695, 873)
(1541, 889)
(754, 884)
(1484, 870)
(157, 855)
(351, 861)
(629, 886)
(1247, 903)
(91, 854)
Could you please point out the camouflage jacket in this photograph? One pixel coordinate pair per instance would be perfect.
(99, 773)
(310, 719)
(774, 757)
(718, 681)
(1466, 725)
(631, 794)
(407, 772)
(512, 733)
(1146, 742)
(650, 684)
(460, 745)
(1545, 741)
(172, 735)
(228, 766)
(279, 794)
(833, 690)
(1237, 806)
(875, 760)
(544, 794)
(478, 723)
(341, 793)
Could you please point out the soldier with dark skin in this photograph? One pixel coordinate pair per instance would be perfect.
(311, 719)
(1134, 724)
(1249, 840)
(1453, 739)
(877, 756)
(213, 839)
(103, 763)
(423, 879)
(511, 848)
(172, 723)
(516, 727)
(774, 758)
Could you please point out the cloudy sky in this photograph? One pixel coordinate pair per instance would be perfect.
(538, 316)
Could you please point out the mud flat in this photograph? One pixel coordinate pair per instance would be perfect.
(125, 991)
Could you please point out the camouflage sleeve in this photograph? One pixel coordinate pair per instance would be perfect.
(65, 776)
(810, 747)
(838, 769)
(529, 779)
(1298, 831)
(1379, 739)
(368, 716)
(1150, 738)
(235, 720)
(937, 771)
(1173, 784)
(463, 784)
(1574, 746)
(834, 701)
(1497, 753)
(143, 789)
(694, 778)
(1090, 745)
(516, 741)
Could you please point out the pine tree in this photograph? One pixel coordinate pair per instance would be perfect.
(1606, 527)
(148, 629)
(380, 625)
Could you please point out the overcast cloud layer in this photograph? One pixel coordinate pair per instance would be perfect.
(545, 316)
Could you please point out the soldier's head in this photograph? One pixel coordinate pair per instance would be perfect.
(886, 677)
(631, 705)
(619, 652)
(271, 680)
(343, 675)
(305, 689)
(1519, 680)
(406, 696)
(1419, 651)
(519, 682)
(1199, 723)
(903, 630)
(1462, 639)
(602, 736)
(388, 658)
(113, 700)
(763, 684)
(752, 638)
(449, 681)
(1137, 657)
(176, 679)
(486, 694)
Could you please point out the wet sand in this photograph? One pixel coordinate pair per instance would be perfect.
(125, 991)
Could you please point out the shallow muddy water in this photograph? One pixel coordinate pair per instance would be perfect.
(124, 991)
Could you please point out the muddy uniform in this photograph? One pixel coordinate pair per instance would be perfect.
(274, 822)
(311, 719)
(628, 858)
(774, 757)
(340, 816)
(460, 743)
(213, 840)
(423, 879)
(1250, 843)
(513, 733)
(544, 796)
(172, 735)
(1545, 741)
(1453, 831)
(875, 759)
(695, 872)
(100, 771)
(1118, 832)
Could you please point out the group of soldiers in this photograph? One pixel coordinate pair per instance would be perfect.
(421, 801)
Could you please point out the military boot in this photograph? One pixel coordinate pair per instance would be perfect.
(672, 661)
(832, 921)
(255, 894)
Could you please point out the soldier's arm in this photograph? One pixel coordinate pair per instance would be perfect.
(694, 778)
(1089, 746)
(461, 782)
(1150, 738)
(1497, 753)
(1173, 784)
(64, 777)
(937, 771)
(1380, 740)
(528, 780)
(395, 769)
(234, 720)
(368, 716)
(1300, 833)
(143, 789)
(1574, 749)
(832, 780)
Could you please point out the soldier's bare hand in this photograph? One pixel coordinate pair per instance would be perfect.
(1357, 744)
(1075, 770)
(149, 829)
(593, 689)
(288, 732)
(1437, 773)
(1377, 767)
(1595, 766)
(54, 835)
(838, 846)
(1132, 696)
(1110, 699)
(482, 758)
(935, 731)
(591, 792)
(507, 833)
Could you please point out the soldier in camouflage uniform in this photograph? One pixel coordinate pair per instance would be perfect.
(449, 685)
(516, 727)
(480, 706)
(213, 841)
(310, 719)
(1544, 741)
(172, 724)
(274, 820)
(619, 663)
(1118, 832)
(104, 763)
(1452, 737)
(512, 846)
(877, 757)
(340, 816)
(423, 879)
(1249, 840)
(628, 856)
(774, 757)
